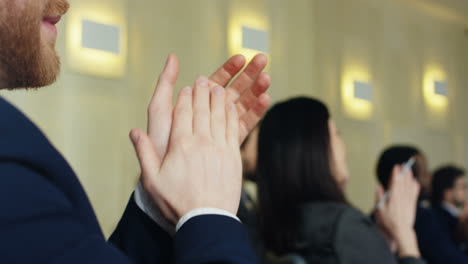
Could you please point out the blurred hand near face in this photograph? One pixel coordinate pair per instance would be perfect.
(398, 215)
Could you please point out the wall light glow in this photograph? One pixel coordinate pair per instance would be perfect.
(244, 19)
(91, 61)
(355, 107)
(435, 101)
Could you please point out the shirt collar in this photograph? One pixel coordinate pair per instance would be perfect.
(451, 209)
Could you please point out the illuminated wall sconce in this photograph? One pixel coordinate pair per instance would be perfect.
(96, 44)
(436, 90)
(254, 39)
(357, 94)
(101, 37)
(440, 88)
(363, 91)
(248, 35)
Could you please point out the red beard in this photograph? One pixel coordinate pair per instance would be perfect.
(26, 59)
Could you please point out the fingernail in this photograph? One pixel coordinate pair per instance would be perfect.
(168, 59)
(203, 81)
(187, 90)
(134, 136)
(218, 90)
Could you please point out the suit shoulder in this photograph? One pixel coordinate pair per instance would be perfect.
(25, 193)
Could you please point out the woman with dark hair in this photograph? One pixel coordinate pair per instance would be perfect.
(301, 173)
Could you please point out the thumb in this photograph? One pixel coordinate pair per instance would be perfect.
(147, 157)
(380, 201)
(150, 165)
(379, 192)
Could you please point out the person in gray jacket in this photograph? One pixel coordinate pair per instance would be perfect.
(303, 211)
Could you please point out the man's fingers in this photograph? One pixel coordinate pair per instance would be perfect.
(160, 107)
(183, 115)
(228, 71)
(250, 96)
(247, 78)
(249, 120)
(147, 157)
(163, 93)
(232, 129)
(218, 114)
(201, 107)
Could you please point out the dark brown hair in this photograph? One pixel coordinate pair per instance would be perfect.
(293, 168)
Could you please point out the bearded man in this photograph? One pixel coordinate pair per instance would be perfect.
(184, 207)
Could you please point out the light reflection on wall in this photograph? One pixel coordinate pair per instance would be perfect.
(355, 107)
(237, 21)
(435, 102)
(90, 61)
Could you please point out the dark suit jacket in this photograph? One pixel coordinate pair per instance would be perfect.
(436, 244)
(447, 221)
(46, 217)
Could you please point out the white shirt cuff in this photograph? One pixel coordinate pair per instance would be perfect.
(203, 211)
(146, 204)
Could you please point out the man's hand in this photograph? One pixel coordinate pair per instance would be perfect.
(247, 92)
(202, 167)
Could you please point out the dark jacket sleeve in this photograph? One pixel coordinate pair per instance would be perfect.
(411, 261)
(360, 241)
(38, 224)
(208, 238)
(203, 239)
(437, 246)
(141, 239)
(213, 239)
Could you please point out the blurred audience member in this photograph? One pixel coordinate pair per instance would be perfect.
(399, 154)
(448, 200)
(303, 211)
(436, 245)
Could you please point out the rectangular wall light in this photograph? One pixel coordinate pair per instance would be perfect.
(254, 39)
(357, 92)
(363, 91)
(440, 88)
(97, 40)
(101, 37)
(248, 33)
(436, 89)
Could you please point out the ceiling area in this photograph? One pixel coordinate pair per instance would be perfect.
(454, 10)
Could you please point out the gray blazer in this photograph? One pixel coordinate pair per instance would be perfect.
(333, 233)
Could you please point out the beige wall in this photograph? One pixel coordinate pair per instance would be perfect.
(312, 43)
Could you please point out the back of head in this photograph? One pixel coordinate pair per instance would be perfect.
(293, 168)
(392, 156)
(249, 155)
(444, 179)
